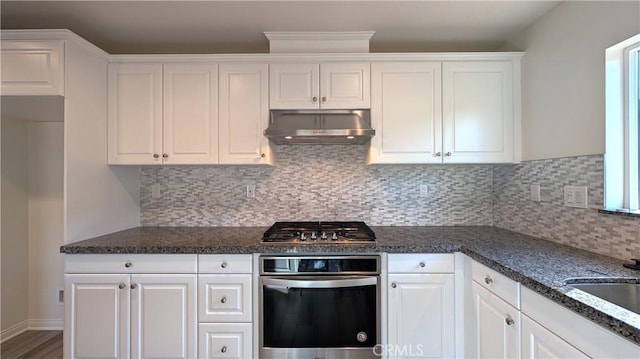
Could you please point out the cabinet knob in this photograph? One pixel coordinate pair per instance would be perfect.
(448, 154)
(509, 320)
(164, 155)
(438, 154)
(155, 155)
(223, 265)
(134, 286)
(423, 264)
(121, 285)
(263, 155)
(314, 99)
(324, 99)
(394, 285)
(223, 349)
(223, 300)
(128, 264)
(488, 280)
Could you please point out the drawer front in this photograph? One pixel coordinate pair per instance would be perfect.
(505, 288)
(421, 263)
(131, 263)
(224, 298)
(225, 263)
(225, 340)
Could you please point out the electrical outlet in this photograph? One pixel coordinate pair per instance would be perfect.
(535, 192)
(424, 190)
(251, 191)
(155, 191)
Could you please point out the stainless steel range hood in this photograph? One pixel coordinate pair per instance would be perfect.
(289, 127)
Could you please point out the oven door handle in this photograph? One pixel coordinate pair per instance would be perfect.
(279, 283)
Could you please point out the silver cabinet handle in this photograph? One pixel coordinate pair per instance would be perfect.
(122, 285)
(223, 349)
(423, 264)
(394, 285)
(448, 154)
(509, 320)
(223, 300)
(438, 154)
(134, 286)
(324, 99)
(128, 264)
(488, 280)
(223, 265)
(155, 155)
(314, 99)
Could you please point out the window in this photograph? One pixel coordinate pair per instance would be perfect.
(621, 160)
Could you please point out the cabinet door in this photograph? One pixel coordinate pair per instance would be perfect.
(497, 326)
(190, 121)
(135, 113)
(32, 68)
(163, 316)
(406, 113)
(538, 342)
(294, 86)
(421, 315)
(244, 114)
(345, 85)
(225, 340)
(224, 298)
(478, 112)
(97, 316)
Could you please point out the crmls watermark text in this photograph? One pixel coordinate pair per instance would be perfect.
(398, 350)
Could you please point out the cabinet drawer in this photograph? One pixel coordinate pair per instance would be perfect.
(505, 288)
(131, 263)
(421, 263)
(224, 298)
(225, 263)
(225, 340)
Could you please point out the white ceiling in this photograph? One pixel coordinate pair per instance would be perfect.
(237, 26)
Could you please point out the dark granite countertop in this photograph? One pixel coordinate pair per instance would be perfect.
(540, 265)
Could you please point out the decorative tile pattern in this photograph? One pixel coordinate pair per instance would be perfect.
(317, 183)
(615, 236)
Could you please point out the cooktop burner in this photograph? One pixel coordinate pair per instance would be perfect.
(319, 232)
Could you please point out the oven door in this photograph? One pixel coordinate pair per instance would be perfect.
(319, 316)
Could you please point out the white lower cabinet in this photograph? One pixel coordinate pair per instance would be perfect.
(225, 340)
(538, 342)
(144, 306)
(421, 306)
(497, 325)
(225, 328)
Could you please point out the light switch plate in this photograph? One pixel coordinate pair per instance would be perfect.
(575, 196)
(535, 192)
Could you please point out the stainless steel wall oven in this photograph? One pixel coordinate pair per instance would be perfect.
(319, 306)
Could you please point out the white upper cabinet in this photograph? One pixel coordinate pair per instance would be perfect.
(406, 112)
(334, 85)
(135, 113)
(478, 112)
(32, 68)
(445, 112)
(244, 114)
(190, 108)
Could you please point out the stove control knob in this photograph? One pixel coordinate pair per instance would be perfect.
(303, 237)
(334, 236)
(323, 236)
(314, 236)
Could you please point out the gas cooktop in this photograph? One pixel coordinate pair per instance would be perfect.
(319, 232)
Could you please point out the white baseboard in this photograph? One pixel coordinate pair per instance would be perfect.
(46, 324)
(14, 330)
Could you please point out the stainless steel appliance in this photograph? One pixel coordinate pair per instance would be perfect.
(319, 233)
(319, 306)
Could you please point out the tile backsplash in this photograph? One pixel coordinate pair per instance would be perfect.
(333, 183)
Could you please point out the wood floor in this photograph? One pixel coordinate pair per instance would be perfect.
(34, 344)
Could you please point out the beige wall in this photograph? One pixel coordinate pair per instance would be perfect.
(15, 277)
(46, 264)
(563, 75)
